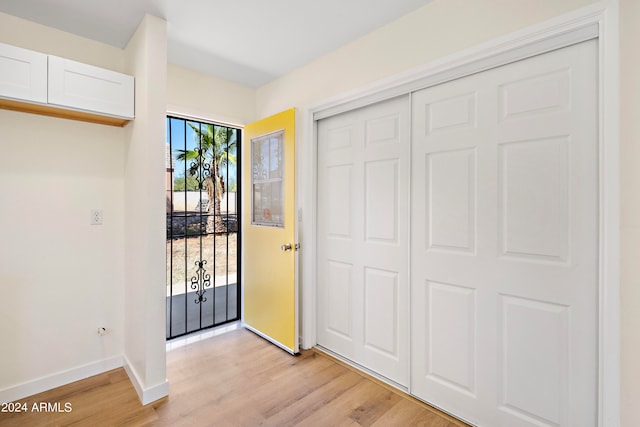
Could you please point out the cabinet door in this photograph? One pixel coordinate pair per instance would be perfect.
(88, 88)
(23, 74)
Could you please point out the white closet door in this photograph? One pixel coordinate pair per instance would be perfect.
(505, 243)
(363, 177)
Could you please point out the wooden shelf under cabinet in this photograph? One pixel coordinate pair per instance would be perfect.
(49, 110)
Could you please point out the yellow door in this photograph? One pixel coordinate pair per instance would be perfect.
(270, 295)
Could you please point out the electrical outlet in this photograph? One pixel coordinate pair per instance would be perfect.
(96, 217)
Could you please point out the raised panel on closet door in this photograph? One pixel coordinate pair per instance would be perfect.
(88, 88)
(23, 74)
(504, 226)
(363, 177)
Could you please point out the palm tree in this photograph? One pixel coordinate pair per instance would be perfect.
(216, 148)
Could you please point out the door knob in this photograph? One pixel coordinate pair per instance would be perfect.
(286, 247)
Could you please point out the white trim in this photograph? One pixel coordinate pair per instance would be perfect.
(59, 379)
(309, 211)
(244, 157)
(552, 34)
(188, 117)
(182, 112)
(145, 394)
(296, 237)
(368, 371)
(280, 135)
(609, 289)
(536, 40)
(202, 120)
(410, 289)
(202, 335)
(400, 388)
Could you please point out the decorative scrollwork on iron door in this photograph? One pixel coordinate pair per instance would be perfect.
(201, 281)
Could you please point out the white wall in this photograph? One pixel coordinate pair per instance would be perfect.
(145, 281)
(195, 94)
(630, 210)
(60, 278)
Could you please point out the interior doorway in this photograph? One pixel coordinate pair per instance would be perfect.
(202, 228)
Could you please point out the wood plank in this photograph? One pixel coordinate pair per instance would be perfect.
(52, 111)
(237, 379)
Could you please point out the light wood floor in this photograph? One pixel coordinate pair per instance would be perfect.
(237, 379)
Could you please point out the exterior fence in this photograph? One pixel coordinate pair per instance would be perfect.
(192, 200)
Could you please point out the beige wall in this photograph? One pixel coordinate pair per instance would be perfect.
(630, 209)
(60, 278)
(431, 32)
(145, 227)
(195, 94)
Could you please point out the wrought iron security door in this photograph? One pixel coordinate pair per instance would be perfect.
(203, 241)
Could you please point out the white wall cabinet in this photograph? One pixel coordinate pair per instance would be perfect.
(23, 74)
(85, 87)
(37, 83)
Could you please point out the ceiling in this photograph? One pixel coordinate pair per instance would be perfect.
(250, 42)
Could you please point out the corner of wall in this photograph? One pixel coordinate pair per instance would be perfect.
(144, 344)
(145, 394)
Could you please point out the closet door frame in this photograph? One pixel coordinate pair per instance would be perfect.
(596, 21)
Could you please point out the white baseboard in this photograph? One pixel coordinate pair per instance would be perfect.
(145, 394)
(58, 379)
